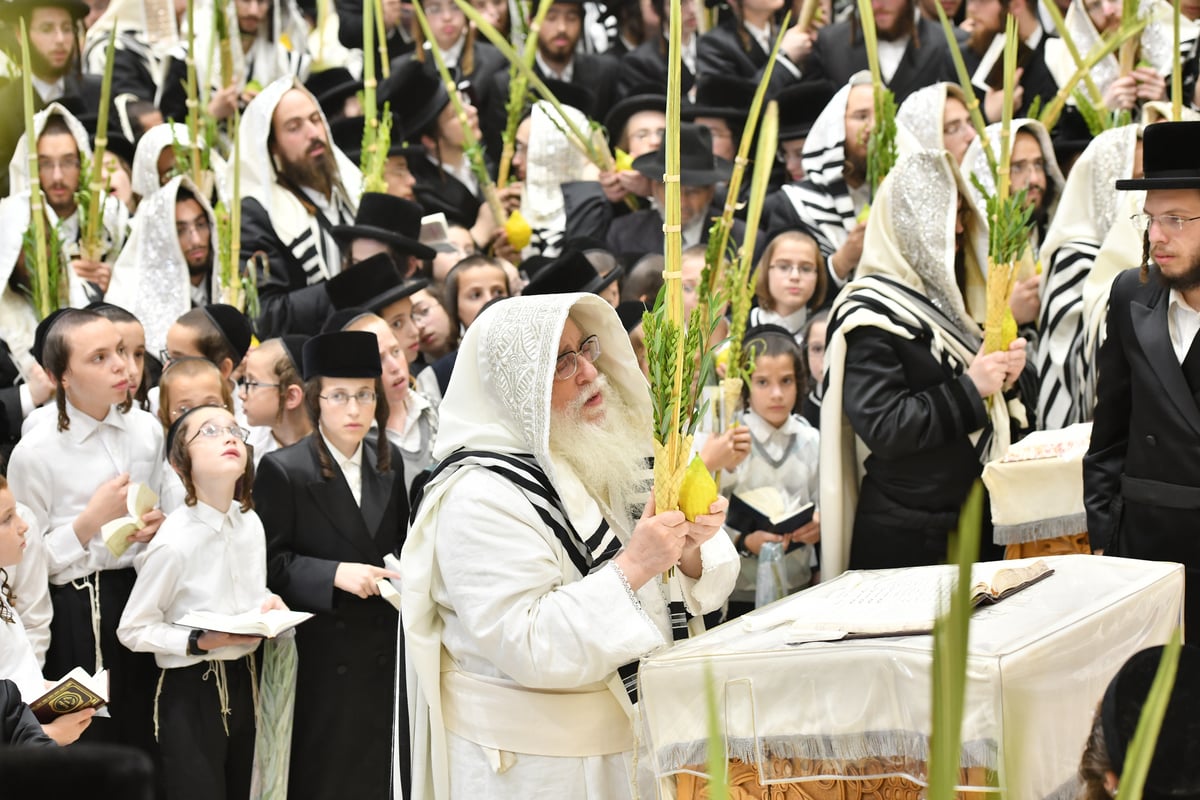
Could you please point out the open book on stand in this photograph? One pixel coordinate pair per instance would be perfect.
(139, 499)
(268, 624)
(75, 692)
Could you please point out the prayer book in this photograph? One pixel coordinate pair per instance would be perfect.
(139, 499)
(763, 509)
(267, 624)
(869, 604)
(389, 588)
(75, 692)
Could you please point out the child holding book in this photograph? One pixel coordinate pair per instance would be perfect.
(74, 476)
(783, 454)
(209, 555)
(187, 383)
(17, 660)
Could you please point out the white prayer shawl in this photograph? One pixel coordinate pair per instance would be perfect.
(294, 226)
(144, 173)
(908, 253)
(1157, 41)
(552, 161)
(151, 279)
(822, 200)
(278, 51)
(923, 113)
(145, 27)
(975, 164)
(568, 633)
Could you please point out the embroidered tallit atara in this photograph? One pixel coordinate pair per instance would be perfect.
(144, 178)
(151, 278)
(922, 116)
(299, 231)
(493, 602)
(905, 285)
(551, 161)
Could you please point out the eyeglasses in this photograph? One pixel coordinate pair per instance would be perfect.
(786, 268)
(438, 10)
(65, 165)
(250, 385)
(568, 363)
(363, 397)
(1021, 167)
(164, 356)
(199, 226)
(211, 430)
(1166, 222)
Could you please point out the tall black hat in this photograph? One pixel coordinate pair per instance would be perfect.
(724, 96)
(348, 136)
(372, 284)
(697, 164)
(1170, 158)
(573, 95)
(389, 219)
(344, 354)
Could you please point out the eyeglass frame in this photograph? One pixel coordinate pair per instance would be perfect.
(1149, 219)
(250, 385)
(235, 430)
(358, 397)
(574, 355)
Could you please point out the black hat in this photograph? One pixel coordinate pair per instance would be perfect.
(799, 106)
(570, 272)
(339, 320)
(1170, 158)
(234, 327)
(573, 95)
(533, 265)
(373, 284)
(1175, 767)
(697, 164)
(622, 111)
(293, 345)
(630, 313)
(344, 354)
(725, 96)
(1070, 136)
(42, 331)
(12, 9)
(332, 87)
(348, 136)
(451, 198)
(416, 94)
(767, 329)
(388, 219)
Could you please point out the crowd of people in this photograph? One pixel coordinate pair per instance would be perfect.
(312, 379)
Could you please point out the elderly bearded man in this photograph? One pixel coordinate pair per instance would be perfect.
(531, 572)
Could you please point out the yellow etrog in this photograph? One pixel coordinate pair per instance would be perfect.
(698, 492)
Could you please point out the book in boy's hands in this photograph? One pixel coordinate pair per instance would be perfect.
(267, 624)
(763, 509)
(75, 692)
(139, 499)
(389, 588)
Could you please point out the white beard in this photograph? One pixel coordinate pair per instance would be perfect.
(609, 456)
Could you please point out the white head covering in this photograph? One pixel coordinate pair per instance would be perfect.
(18, 167)
(144, 178)
(150, 279)
(1157, 41)
(975, 162)
(923, 113)
(278, 51)
(498, 400)
(824, 150)
(17, 319)
(552, 161)
(258, 174)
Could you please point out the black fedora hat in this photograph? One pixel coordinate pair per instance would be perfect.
(389, 219)
(799, 106)
(697, 164)
(416, 94)
(332, 87)
(615, 121)
(373, 284)
(570, 272)
(348, 135)
(342, 354)
(573, 95)
(1175, 767)
(1170, 158)
(727, 97)
(13, 9)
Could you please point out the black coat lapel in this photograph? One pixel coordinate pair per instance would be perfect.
(336, 502)
(1150, 327)
(376, 493)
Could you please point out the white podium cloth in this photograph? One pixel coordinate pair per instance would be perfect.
(1038, 664)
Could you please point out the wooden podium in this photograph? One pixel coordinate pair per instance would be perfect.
(850, 719)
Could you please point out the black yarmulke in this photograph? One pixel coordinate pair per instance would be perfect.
(42, 331)
(234, 327)
(343, 354)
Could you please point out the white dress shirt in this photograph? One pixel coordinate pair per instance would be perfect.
(30, 584)
(565, 76)
(351, 467)
(17, 661)
(47, 90)
(201, 560)
(1183, 322)
(56, 474)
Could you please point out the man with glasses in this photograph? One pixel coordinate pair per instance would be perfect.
(533, 571)
(1141, 477)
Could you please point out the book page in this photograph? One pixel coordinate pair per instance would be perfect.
(252, 623)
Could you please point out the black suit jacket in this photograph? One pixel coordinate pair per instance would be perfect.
(840, 51)
(81, 96)
(645, 66)
(350, 30)
(1036, 79)
(721, 52)
(634, 235)
(342, 739)
(596, 73)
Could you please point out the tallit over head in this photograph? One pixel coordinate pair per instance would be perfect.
(18, 167)
(150, 278)
(258, 174)
(279, 49)
(975, 162)
(824, 150)
(499, 396)
(923, 113)
(552, 161)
